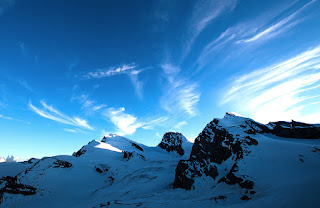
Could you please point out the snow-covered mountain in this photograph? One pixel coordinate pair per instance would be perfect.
(234, 162)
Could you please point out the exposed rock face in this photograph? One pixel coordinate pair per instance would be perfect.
(214, 145)
(31, 161)
(81, 151)
(102, 168)
(61, 164)
(137, 146)
(232, 179)
(295, 130)
(172, 142)
(12, 186)
(46, 163)
(129, 155)
(188, 170)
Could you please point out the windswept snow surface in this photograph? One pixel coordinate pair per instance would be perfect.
(285, 172)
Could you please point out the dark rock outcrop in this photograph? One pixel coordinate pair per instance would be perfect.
(31, 161)
(295, 129)
(188, 170)
(137, 146)
(11, 185)
(172, 142)
(245, 198)
(221, 197)
(102, 168)
(251, 141)
(61, 164)
(232, 179)
(129, 155)
(81, 151)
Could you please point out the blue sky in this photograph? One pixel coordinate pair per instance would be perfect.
(73, 71)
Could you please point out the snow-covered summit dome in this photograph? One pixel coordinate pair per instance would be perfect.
(122, 143)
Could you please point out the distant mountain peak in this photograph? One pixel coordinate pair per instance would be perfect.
(173, 142)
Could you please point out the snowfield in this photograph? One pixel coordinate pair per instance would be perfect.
(118, 172)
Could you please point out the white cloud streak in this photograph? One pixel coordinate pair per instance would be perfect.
(280, 91)
(181, 96)
(112, 71)
(13, 119)
(76, 130)
(51, 113)
(127, 69)
(137, 84)
(152, 123)
(127, 123)
(252, 31)
(203, 14)
(276, 28)
(89, 105)
(25, 84)
(180, 124)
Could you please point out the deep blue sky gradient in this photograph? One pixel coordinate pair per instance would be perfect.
(181, 74)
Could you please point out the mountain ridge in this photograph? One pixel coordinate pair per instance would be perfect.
(235, 161)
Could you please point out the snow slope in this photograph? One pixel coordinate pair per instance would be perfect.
(118, 172)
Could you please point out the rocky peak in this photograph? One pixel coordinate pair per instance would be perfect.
(173, 142)
(220, 140)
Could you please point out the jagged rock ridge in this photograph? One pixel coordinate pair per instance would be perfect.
(295, 129)
(220, 140)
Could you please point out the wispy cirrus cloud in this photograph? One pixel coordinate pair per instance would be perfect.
(74, 63)
(89, 105)
(112, 71)
(204, 13)
(278, 27)
(180, 95)
(128, 69)
(268, 25)
(127, 123)
(25, 84)
(180, 124)
(75, 130)
(137, 84)
(13, 119)
(154, 122)
(51, 113)
(282, 91)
